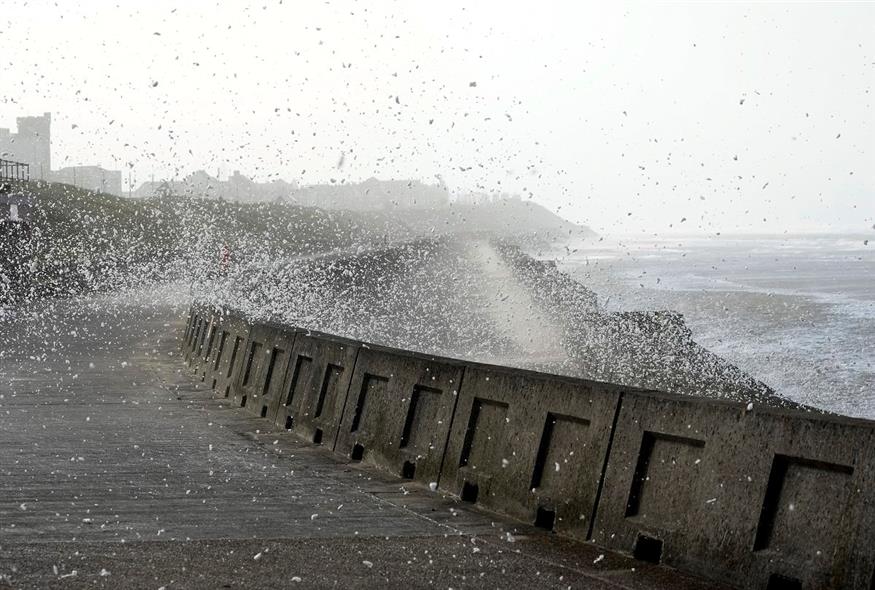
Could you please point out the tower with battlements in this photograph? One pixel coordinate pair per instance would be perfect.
(32, 144)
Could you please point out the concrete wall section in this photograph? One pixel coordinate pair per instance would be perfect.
(208, 366)
(203, 347)
(315, 386)
(265, 360)
(192, 310)
(712, 488)
(229, 349)
(761, 498)
(399, 412)
(193, 333)
(530, 445)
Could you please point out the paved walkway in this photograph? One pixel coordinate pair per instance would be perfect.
(117, 469)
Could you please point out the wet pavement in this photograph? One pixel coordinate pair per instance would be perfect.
(119, 469)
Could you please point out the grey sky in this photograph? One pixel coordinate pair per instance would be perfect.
(627, 117)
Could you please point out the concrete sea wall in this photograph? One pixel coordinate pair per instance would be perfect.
(755, 496)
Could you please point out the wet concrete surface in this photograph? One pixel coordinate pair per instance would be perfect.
(118, 469)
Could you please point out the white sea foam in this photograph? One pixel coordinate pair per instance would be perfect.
(797, 312)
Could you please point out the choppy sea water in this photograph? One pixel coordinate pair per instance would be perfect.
(796, 312)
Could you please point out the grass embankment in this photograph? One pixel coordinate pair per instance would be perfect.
(79, 240)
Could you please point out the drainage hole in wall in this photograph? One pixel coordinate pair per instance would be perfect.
(469, 492)
(648, 549)
(317, 436)
(545, 518)
(358, 452)
(408, 470)
(289, 422)
(779, 582)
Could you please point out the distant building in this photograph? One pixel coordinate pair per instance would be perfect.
(370, 195)
(31, 145)
(93, 178)
(373, 195)
(237, 188)
(154, 188)
(485, 198)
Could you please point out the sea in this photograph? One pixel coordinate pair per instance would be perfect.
(796, 312)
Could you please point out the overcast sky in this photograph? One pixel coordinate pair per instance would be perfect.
(634, 118)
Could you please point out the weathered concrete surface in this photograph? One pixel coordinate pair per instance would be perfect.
(724, 490)
(117, 464)
(758, 496)
(531, 445)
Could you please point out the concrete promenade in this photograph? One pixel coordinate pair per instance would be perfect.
(118, 469)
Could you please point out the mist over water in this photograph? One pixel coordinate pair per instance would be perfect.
(797, 312)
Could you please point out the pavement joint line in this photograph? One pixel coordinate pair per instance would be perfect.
(486, 541)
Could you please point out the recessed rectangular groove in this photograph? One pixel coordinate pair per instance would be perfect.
(469, 433)
(254, 349)
(233, 356)
(601, 485)
(495, 413)
(200, 347)
(369, 384)
(274, 355)
(546, 441)
(210, 343)
(781, 465)
(302, 364)
(450, 426)
(771, 501)
(191, 332)
(187, 333)
(416, 411)
(221, 349)
(196, 336)
(648, 443)
(195, 325)
(329, 382)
